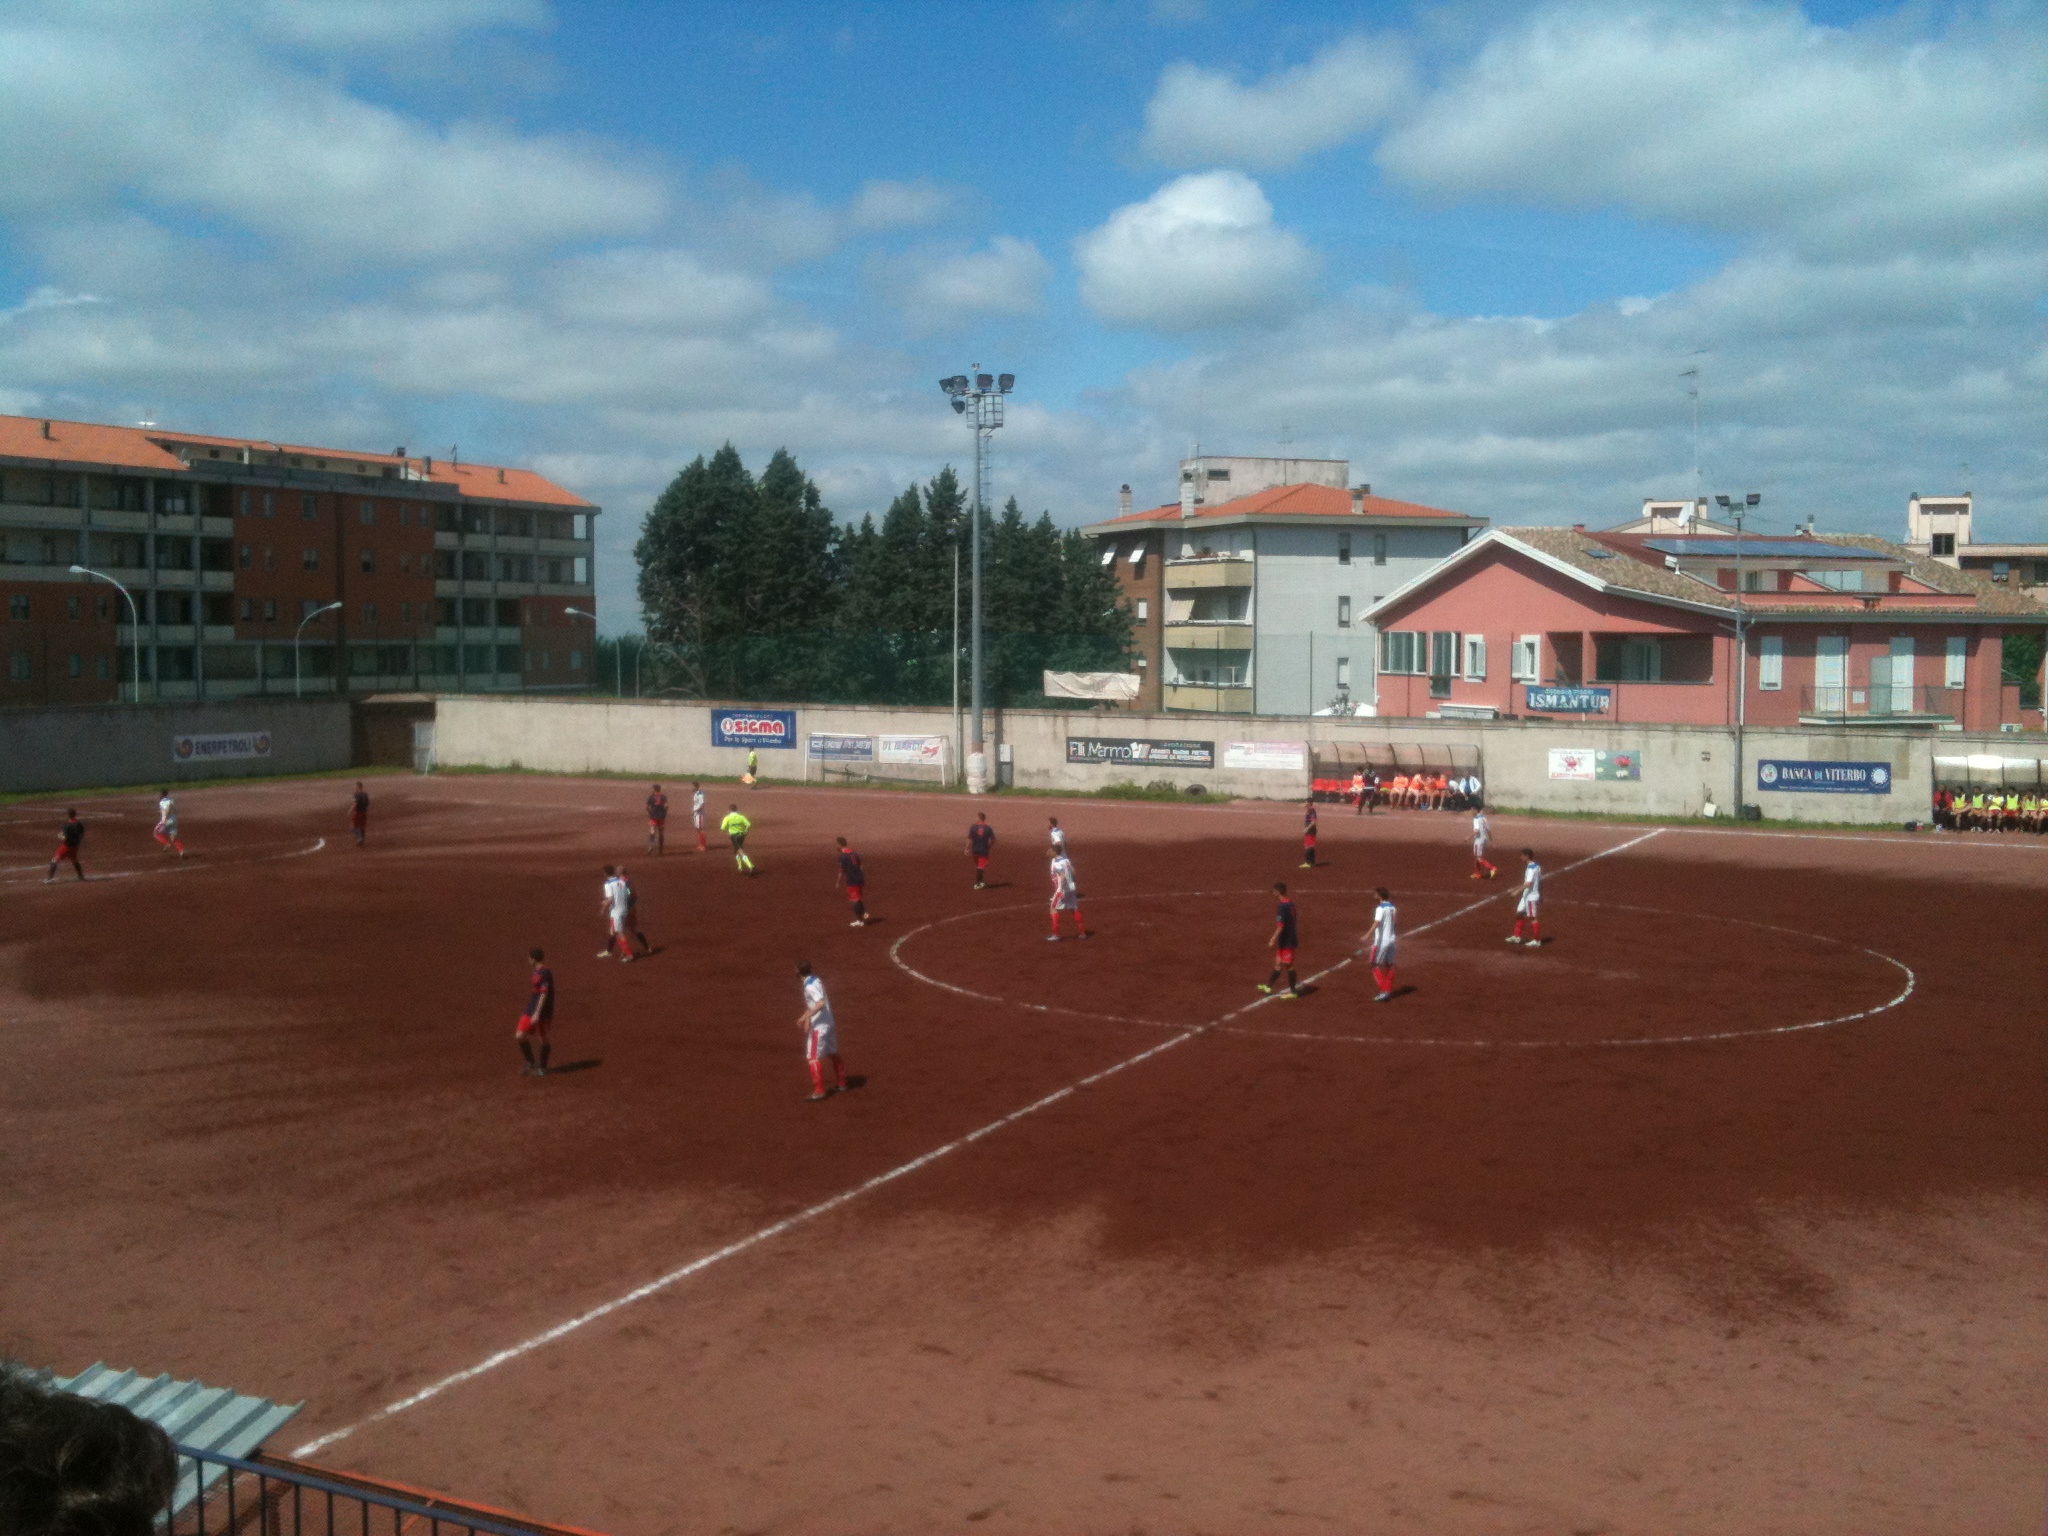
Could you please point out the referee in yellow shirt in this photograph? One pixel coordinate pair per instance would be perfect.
(736, 827)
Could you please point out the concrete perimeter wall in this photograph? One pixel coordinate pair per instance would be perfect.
(1682, 767)
(83, 746)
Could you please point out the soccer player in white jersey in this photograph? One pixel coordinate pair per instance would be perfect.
(1528, 929)
(615, 906)
(1482, 834)
(1055, 837)
(821, 1036)
(167, 825)
(1380, 945)
(1066, 897)
(697, 815)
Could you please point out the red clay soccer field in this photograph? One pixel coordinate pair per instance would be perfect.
(1722, 1211)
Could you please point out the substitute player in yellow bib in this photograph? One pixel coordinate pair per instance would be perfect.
(736, 827)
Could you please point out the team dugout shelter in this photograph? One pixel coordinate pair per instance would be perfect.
(1840, 629)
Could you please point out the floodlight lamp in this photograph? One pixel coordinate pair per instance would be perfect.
(1006, 382)
(959, 406)
(79, 570)
(1722, 502)
(1752, 499)
(983, 381)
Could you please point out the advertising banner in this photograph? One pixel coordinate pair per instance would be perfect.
(1091, 685)
(929, 750)
(1824, 777)
(220, 746)
(1269, 756)
(1567, 701)
(754, 728)
(1587, 764)
(1127, 749)
(841, 749)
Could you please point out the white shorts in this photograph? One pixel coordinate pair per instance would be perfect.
(1479, 847)
(823, 1041)
(1526, 907)
(1067, 903)
(168, 828)
(1385, 955)
(622, 922)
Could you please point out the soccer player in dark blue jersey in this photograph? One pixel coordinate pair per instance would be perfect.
(981, 842)
(855, 879)
(1285, 940)
(532, 1033)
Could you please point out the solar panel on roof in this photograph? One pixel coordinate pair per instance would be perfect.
(1776, 549)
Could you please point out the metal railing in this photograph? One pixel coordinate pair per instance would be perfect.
(1880, 700)
(228, 1496)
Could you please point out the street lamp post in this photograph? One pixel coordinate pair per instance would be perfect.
(618, 660)
(980, 399)
(134, 626)
(1738, 507)
(298, 675)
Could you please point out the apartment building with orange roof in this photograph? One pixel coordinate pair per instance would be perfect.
(233, 552)
(1249, 593)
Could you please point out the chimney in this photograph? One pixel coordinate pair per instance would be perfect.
(47, 432)
(1358, 500)
(501, 477)
(1187, 498)
(1123, 501)
(429, 462)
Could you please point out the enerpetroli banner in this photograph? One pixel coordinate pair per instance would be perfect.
(220, 746)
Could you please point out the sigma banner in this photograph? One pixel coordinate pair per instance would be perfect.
(1824, 777)
(1127, 749)
(754, 728)
(220, 747)
(1566, 701)
(929, 750)
(841, 749)
(1268, 756)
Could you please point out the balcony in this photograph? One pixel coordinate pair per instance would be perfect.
(1209, 698)
(1209, 634)
(1880, 704)
(1201, 573)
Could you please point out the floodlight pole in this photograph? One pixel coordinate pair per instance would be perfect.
(980, 399)
(1738, 507)
(134, 628)
(618, 658)
(956, 648)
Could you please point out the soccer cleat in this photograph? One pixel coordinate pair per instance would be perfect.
(857, 923)
(1264, 987)
(1383, 997)
(816, 1098)
(1052, 938)
(604, 954)
(1290, 996)
(1086, 933)
(1514, 938)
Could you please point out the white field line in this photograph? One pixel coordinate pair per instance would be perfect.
(831, 1203)
(208, 860)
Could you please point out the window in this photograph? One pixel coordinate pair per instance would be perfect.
(1525, 664)
(403, 509)
(1628, 659)
(1344, 612)
(247, 501)
(582, 570)
(20, 667)
(309, 508)
(245, 555)
(369, 562)
(101, 668)
(72, 607)
(1379, 549)
(1958, 661)
(270, 610)
(475, 566)
(1401, 652)
(1838, 581)
(1144, 609)
(369, 613)
(269, 504)
(248, 609)
(2001, 570)
(75, 664)
(101, 606)
(575, 661)
(1944, 544)
(17, 607)
(1475, 659)
(308, 606)
(1343, 549)
(1770, 663)
(1343, 671)
(310, 559)
(367, 512)
(508, 617)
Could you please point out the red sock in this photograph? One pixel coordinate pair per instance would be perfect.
(1518, 927)
(1079, 925)
(818, 1076)
(1383, 975)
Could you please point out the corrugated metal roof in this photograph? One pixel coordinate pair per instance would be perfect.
(196, 1417)
(1761, 547)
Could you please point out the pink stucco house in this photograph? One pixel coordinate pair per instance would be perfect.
(1840, 629)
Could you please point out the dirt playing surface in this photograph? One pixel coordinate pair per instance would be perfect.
(1518, 1251)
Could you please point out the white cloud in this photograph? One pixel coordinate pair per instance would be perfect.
(662, 290)
(1750, 120)
(1201, 251)
(1204, 117)
(389, 23)
(287, 155)
(883, 205)
(936, 289)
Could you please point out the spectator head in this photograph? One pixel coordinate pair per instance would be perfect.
(70, 1466)
(536, 955)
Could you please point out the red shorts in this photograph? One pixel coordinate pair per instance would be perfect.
(981, 861)
(529, 1025)
(655, 826)
(1284, 956)
(65, 851)
(853, 892)
(1309, 841)
(357, 819)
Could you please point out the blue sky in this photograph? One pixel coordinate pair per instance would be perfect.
(1471, 247)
